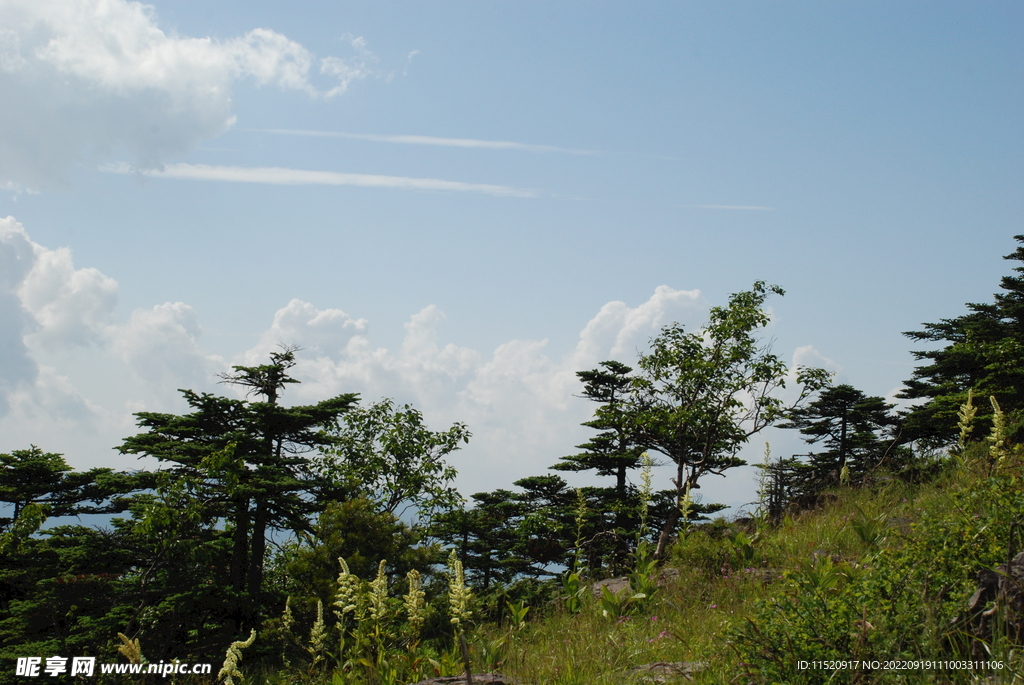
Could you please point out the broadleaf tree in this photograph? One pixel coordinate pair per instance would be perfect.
(701, 395)
(388, 455)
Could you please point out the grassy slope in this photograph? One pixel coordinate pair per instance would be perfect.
(888, 590)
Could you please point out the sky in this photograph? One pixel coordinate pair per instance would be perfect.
(459, 205)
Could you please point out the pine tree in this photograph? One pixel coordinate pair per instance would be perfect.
(985, 352)
(246, 461)
(850, 425)
(613, 452)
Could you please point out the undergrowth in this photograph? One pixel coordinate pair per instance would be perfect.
(879, 572)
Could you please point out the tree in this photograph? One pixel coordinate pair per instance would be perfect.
(984, 353)
(391, 458)
(701, 395)
(485, 536)
(849, 424)
(246, 462)
(35, 477)
(616, 449)
(361, 534)
(613, 451)
(60, 587)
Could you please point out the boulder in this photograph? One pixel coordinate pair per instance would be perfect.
(666, 671)
(617, 585)
(997, 589)
(614, 585)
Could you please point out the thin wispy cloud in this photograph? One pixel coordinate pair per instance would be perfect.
(284, 176)
(424, 140)
(752, 208)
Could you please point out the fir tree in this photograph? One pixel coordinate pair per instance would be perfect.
(984, 353)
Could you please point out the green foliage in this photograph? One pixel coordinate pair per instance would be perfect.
(701, 395)
(575, 592)
(983, 352)
(517, 612)
(354, 529)
(238, 470)
(859, 609)
(189, 571)
(613, 452)
(35, 477)
(870, 529)
(389, 457)
(855, 430)
(30, 519)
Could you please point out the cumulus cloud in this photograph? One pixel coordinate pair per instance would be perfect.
(73, 372)
(161, 347)
(90, 78)
(810, 357)
(17, 256)
(71, 306)
(518, 399)
(50, 308)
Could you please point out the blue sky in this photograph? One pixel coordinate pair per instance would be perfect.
(461, 204)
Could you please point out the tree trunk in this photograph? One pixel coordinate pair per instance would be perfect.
(239, 562)
(256, 558)
(673, 514)
(240, 547)
(666, 533)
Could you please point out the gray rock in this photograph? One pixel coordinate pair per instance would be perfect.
(614, 585)
(618, 585)
(666, 671)
(1001, 588)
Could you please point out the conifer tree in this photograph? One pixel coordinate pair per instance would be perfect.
(247, 460)
(850, 425)
(984, 353)
(613, 452)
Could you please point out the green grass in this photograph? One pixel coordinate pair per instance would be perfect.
(875, 572)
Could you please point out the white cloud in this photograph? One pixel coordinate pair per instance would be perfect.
(808, 356)
(51, 400)
(17, 256)
(49, 309)
(518, 400)
(282, 176)
(161, 347)
(71, 306)
(428, 140)
(91, 78)
(322, 332)
(72, 373)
